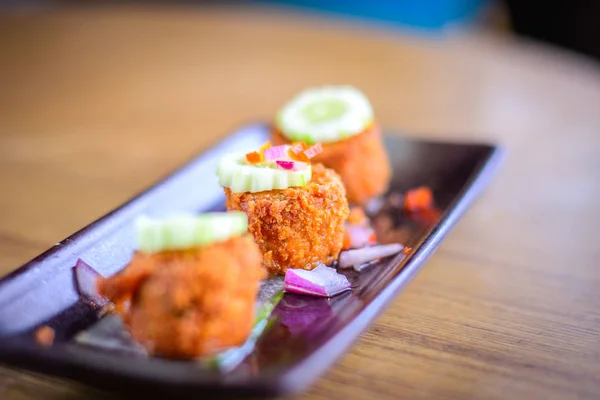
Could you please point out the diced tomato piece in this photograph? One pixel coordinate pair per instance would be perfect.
(417, 199)
(347, 240)
(253, 157)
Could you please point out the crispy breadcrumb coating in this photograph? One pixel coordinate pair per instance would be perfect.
(189, 303)
(298, 227)
(361, 161)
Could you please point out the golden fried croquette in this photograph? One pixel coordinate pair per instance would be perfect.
(361, 161)
(190, 303)
(297, 227)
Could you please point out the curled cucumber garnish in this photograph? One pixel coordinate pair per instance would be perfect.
(239, 175)
(180, 232)
(325, 114)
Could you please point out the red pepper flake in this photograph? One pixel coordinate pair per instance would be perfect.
(417, 199)
(45, 336)
(253, 157)
(407, 250)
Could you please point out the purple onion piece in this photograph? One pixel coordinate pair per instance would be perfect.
(350, 258)
(86, 278)
(359, 235)
(291, 165)
(287, 165)
(277, 153)
(322, 282)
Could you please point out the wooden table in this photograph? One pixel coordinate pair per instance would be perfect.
(96, 105)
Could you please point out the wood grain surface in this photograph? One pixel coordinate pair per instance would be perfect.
(96, 104)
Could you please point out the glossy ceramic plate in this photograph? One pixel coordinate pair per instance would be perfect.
(304, 335)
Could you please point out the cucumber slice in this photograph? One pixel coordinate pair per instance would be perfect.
(233, 172)
(325, 114)
(184, 231)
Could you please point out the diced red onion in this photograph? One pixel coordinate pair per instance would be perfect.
(86, 278)
(350, 258)
(297, 149)
(359, 235)
(288, 165)
(313, 150)
(299, 165)
(277, 153)
(322, 281)
(374, 205)
(291, 165)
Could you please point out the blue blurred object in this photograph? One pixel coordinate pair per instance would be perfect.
(429, 15)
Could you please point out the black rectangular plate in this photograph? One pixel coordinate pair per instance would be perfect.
(308, 335)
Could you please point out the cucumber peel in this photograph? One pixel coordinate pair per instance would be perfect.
(325, 114)
(184, 231)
